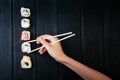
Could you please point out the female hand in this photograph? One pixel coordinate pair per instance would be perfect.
(55, 50)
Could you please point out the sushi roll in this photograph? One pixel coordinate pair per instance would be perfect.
(25, 12)
(25, 35)
(26, 47)
(25, 23)
(26, 62)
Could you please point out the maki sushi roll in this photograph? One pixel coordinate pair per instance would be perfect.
(25, 12)
(25, 35)
(26, 47)
(25, 23)
(26, 62)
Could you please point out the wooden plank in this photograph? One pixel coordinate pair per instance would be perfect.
(20, 73)
(69, 20)
(112, 39)
(5, 40)
(92, 31)
(46, 23)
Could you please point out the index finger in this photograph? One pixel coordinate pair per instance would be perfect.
(47, 37)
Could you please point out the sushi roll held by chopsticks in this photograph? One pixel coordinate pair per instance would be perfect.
(26, 47)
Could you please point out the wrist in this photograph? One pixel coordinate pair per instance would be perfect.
(62, 59)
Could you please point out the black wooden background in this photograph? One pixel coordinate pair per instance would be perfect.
(97, 42)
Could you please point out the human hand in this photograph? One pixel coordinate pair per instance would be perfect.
(55, 50)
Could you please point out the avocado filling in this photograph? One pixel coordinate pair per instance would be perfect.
(26, 63)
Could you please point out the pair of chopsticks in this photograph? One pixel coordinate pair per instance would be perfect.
(64, 34)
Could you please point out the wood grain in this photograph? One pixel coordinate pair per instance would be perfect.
(5, 40)
(46, 23)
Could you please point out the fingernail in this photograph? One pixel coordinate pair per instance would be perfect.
(39, 52)
(36, 42)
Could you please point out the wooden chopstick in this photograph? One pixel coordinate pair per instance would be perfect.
(53, 36)
(63, 38)
(53, 42)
